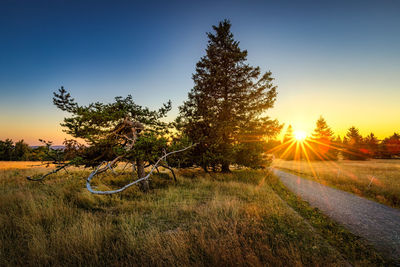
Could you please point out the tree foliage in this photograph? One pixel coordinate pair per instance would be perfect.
(112, 132)
(225, 110)
(323, 146)
(354, 146)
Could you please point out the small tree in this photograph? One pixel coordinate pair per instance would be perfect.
(227, 103)
(6, 149)
(354, 146)
(322, 142)
(390, 147)
(114, 132)
(21, 151)
(372, 145)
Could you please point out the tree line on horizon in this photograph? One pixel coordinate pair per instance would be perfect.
(321, 145)
(324, 145)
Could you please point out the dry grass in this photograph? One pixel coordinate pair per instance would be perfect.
(234, 219)
(8, 165)
(353, 176)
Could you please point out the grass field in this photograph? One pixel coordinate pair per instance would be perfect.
(375, 179)
(243, 218)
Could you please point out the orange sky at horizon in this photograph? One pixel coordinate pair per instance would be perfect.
(302, 116)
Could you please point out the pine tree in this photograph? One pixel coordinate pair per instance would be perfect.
(120, 131)
(391, 146)
(372, 145)
(354, 148)
(322, 142)
(227, 104)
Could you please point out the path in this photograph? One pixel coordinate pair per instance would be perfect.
(377, 223)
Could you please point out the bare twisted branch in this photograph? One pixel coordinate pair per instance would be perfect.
(96, 171)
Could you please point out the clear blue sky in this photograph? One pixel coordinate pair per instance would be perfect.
(339, 59)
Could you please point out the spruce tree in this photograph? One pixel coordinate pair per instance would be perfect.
(354, 146)
(372, 144)
(391, 146)
(227, 104)
(322, 142)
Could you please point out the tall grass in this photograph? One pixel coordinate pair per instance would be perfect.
(230, 219)
(375, 179)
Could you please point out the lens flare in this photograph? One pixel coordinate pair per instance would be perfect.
(300, 135)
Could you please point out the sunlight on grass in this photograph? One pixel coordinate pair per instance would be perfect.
(375, 179)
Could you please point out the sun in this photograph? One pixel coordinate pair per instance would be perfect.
(299, 135)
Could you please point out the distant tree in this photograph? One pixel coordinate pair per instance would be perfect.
(226, 107)
(390, 147)
(354, 146)
(21, 151)
(322, 142)
(6, 149)
(372, 145)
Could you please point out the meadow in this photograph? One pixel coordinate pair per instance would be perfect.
(376, 179)
(243, 218)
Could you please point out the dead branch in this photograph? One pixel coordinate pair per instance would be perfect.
(96, 171)
(169, 168)
(47, 174)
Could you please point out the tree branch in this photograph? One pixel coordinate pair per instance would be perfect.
(96, 171)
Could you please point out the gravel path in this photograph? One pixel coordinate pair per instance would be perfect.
(377, 223)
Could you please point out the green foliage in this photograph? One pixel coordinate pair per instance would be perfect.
(6, 149)
(226, 107)
(251, 155)
(97, 120)
(104, 129)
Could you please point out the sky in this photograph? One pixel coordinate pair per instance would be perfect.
(336, 59)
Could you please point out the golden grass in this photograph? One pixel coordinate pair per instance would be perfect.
(374, 179)
(8, 165)
(230, 219)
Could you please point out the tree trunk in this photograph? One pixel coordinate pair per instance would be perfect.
(225, 167)
(205, 168)
(144, 185)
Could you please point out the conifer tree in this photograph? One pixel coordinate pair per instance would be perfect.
(227, 104)
(391, 146)
(120, 131)
(322, 142)
(372, 145)
(354, 146)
